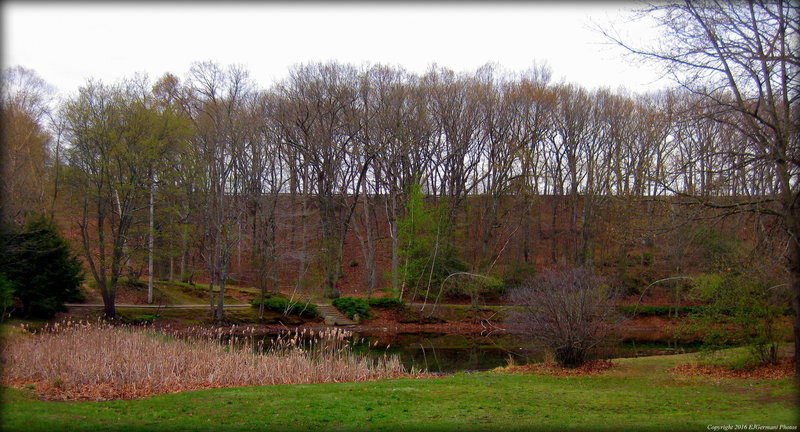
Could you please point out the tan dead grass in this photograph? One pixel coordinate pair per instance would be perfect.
(97, 361)
(785, 368)
(590, 368)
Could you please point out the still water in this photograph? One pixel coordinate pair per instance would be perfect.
(438, 352)
(445, 353)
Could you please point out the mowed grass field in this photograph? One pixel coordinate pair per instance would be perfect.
(638, 395)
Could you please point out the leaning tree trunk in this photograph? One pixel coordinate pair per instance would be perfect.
(791, 220)
(794, 269)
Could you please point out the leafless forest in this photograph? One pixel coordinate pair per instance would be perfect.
(304, 186)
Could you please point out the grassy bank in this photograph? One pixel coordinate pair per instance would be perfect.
(639, 394)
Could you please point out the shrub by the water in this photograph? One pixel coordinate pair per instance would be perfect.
(351, 306)
(428, 257)
(683, 310)
(385, 302)
(284, 305)
(569, 311)
(518, 273)
(661, 310)
(743, 308)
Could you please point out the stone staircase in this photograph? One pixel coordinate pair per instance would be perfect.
(332, 316)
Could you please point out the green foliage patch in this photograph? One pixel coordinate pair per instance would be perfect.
(682, 310)
(385, 302)
(661, 310)
(428, 256)
(351, 306)
(475, 287)
(742, 309)
(284, 305)
(518, 272)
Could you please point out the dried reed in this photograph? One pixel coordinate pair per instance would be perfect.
(99, 361)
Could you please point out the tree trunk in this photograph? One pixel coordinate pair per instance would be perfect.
(184, 246)
(332, 268)
(109, 303)
(331, 244)
(221, 298)
(488, 232)
(239, 246)
(302, 264)
(184, 274)
(794, 270)
(791, 221)
(395, 245)
(262, 284)
(584, 250)
(526, 234)
(554, 232)
(369, 256)
(272, 258)
(211, 275)
(150, 249)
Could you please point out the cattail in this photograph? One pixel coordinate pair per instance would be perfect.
(79, 354)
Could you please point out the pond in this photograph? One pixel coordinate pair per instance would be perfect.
(447, 353)
(439, 352)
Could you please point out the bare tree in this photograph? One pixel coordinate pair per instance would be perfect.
(500, 156)
(115, 137)
(457, 143)
(742, 60)
(402, 125)
(568, 311)
(217, 108)
(532, 103)
(264, 168)
(25, 156)
(321, 120)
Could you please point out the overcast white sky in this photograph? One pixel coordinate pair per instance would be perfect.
(67, 43)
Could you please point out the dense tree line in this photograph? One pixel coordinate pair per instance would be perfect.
(218, 153)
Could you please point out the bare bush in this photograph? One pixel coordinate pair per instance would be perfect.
(100, 361)
(568, 311)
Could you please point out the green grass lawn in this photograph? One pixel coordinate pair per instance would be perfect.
(183, 293)
(638, 395)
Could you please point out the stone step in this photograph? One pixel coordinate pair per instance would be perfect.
(332, 316)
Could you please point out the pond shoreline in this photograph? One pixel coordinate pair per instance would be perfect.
(258, 329)
(434, 348)
(640, 329)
